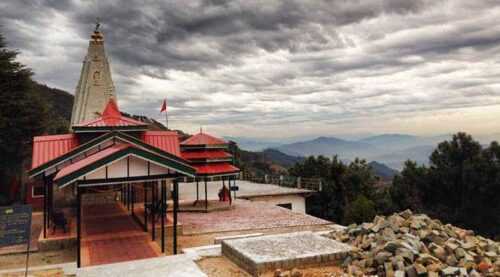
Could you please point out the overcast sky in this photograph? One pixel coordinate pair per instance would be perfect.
(280, 68)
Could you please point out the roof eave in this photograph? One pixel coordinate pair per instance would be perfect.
(73, 176)
(94, 129)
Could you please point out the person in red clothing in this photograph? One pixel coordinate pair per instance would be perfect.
(224, 194)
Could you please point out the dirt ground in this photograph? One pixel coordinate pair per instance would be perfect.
(222, 267)
(38, 258)
(40, 273)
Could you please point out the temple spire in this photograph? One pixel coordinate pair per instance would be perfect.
(95, 86)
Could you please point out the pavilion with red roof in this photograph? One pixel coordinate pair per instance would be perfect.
(119, 153)
(209, 156)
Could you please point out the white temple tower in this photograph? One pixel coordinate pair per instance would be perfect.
(95, 87)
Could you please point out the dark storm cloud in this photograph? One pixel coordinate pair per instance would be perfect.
(242, 66)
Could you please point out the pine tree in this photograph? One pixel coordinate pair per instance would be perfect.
(23, 114)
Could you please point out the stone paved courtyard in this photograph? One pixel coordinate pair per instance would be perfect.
(245, 215)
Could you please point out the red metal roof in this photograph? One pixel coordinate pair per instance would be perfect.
(164, 140)
(205, 154)
(90, 159)
(203, 139)
(47, 148)
(215, 169)
(111, 117)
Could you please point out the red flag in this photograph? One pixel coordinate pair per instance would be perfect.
(164, 106)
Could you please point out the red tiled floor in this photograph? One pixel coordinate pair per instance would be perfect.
(110, 235)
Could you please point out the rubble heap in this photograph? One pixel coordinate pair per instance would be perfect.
(407, 244)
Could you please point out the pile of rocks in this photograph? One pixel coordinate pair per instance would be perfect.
(407, 244)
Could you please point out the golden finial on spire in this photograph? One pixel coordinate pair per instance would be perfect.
(97, 24)
(97, 35)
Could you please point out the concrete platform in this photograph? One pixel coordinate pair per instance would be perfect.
(259, 254)
(167, 266)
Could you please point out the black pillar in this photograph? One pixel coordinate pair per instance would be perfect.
(229, 188)
(128, 197)
(50, 201)
(163, 211)
(206, 195)
(45, 195)
(154, 206)
(78, 225)
(234, 184)
(144, 187)
(197, 190)
(122, 192)
(176, 208)
(132, 197)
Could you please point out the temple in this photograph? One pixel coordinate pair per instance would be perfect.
(95, 86)
(113, 172)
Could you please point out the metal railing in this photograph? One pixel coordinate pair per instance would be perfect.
(285, 181)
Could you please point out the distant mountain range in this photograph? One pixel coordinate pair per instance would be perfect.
(382, 170)
(261, 144)
(254, 144)
(272, 161)
(389, 149)
(281, 158)
(327, 146)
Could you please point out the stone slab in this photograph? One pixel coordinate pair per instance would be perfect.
(285, 251)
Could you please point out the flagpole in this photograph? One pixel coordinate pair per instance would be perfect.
(166, 118)
(164, 109)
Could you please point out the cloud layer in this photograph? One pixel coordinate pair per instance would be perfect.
(280, 68)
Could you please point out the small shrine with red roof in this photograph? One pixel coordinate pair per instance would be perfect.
(136, 169)
(209, 156)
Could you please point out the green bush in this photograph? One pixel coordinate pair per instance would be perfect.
(360, 210)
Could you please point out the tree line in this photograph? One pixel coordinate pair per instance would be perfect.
(24, 113)
(461, 186)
